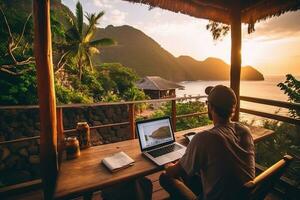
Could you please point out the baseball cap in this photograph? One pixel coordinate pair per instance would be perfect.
(221, 96)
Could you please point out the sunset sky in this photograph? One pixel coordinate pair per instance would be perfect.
(274, 48)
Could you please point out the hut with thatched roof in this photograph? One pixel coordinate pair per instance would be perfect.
(156, 87)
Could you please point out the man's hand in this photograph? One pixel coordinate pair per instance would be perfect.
(173, 169)
(169, 165)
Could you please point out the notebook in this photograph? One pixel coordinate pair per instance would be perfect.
(118, 161)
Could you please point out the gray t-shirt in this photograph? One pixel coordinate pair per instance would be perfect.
(224, 157)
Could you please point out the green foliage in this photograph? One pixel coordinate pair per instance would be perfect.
(285, 140)
(134, 94)
(66, 96)
(109, 82)
(72, 50)
(18, 89)
(111, 97)
(291, 87)
(185, 108)
(78, 47)
(15, 48)
(218, 30)
(91, 85)
(120, 78)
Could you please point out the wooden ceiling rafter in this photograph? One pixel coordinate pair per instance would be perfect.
(258, 12)
(213, 3)
(220, 10)
(191, 7)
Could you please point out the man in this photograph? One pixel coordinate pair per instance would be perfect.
(222, 158)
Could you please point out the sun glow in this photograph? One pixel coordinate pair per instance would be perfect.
(251, 53)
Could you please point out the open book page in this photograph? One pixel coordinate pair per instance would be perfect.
(117, 161)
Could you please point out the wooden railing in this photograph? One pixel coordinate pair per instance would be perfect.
(174, 117)
(280, 104)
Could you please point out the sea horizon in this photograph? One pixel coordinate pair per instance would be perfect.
(266, 89)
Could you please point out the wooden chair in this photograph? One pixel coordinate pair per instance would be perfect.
(258, 188)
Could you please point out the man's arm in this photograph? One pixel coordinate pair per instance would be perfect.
(174, 170)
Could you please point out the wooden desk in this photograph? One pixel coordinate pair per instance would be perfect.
(87, 174)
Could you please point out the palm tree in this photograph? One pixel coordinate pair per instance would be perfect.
(78, 40)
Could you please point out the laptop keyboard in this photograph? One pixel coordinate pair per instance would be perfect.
(164, 150)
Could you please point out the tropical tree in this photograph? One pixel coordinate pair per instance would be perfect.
(16, 52)
(291, 87)
(79, 46)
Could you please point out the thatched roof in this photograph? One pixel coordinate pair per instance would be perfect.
(219, 10)
(157, 83)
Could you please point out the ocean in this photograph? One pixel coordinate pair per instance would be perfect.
(266, 89)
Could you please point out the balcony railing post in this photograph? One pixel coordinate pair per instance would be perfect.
(131, 114)
(60, 133)
(46, 95)
(174, 114)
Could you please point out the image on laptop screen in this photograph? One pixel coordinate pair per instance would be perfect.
(155, 132)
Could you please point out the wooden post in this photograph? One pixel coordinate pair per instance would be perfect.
(236, 45)
(131, 114)
(46, 95)
(60, 134)
(174, 114)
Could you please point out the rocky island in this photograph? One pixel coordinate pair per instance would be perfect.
(161, 133)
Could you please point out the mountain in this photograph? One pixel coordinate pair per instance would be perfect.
(215, 69)
(249, 73)
(140, 52)
(209, 69)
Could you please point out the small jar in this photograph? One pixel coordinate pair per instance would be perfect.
(72, 148)
(83, 131)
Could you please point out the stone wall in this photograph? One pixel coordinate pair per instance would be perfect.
(101, 115)
(19, 162)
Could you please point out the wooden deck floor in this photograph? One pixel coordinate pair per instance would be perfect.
(158, 193)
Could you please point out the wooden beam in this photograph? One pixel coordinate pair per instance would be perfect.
(131, 114)
(174, 114)
(46, 95)
(60, 134)
(236, 45)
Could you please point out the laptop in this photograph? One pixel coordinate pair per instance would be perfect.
(157, 140)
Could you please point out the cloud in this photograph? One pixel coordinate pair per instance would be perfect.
(277, 27)
(101, 3)
(115, 17)
(295, 56)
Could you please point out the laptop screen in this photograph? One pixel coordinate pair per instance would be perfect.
(154, 132)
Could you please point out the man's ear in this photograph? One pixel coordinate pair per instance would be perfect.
(209, 111)
(232, 112)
